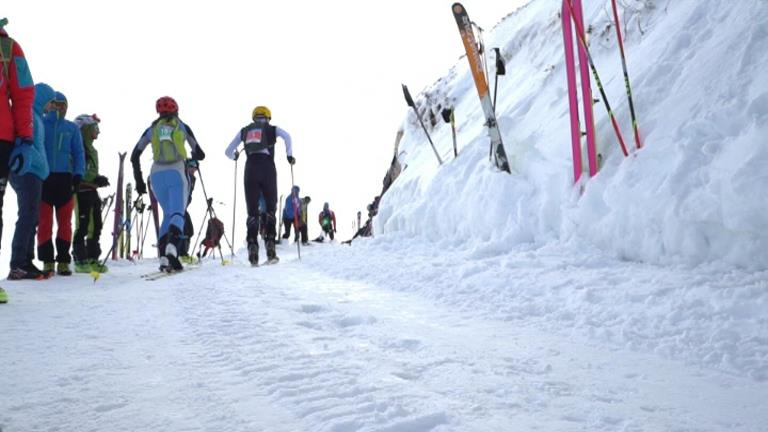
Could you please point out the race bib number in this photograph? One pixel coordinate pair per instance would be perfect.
(253, 136)
(165, 133)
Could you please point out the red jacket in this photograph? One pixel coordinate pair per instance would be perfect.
(16, 117)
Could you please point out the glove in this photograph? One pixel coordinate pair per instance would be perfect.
(141, 187)
(16, 163)
(237, 155)
(198, 154)
(101, 181)
(76, 179)
(291, 160)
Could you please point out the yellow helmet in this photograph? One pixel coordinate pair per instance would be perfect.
(261, 111)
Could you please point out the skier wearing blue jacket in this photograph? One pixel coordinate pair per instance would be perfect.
(29, 168)
(167, 136)
(292, 206)
(66, 160)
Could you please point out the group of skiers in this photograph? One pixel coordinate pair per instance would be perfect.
(296, 214)
(53, 166)
(48, 160)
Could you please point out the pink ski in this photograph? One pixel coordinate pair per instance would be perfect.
(586, 92)
(570, 70)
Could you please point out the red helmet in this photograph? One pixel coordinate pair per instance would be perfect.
(166, 105)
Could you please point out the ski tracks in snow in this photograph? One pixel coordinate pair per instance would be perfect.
(289, 348)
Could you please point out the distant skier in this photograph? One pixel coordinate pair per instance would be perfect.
(259, 139)
(167, 135)
(64, 149)
(327, 221)
(86, 247)
(304, 220)
(290, 211)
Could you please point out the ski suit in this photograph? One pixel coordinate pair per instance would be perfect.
(260, 176)
(290, 211)
(327, 220)
(64, 150)
(168, 175)
(18, 94)
(85, 242)
(29, 168)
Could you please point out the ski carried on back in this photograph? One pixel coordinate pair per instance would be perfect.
(476, 66)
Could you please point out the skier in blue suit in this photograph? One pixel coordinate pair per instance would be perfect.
(167, 136)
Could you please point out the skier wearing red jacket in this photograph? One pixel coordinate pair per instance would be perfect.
(18, 94)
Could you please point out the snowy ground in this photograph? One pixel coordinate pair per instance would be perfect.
(361, 339)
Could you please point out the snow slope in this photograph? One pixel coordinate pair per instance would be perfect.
(486, 302)
(695, 193)
(350, 339)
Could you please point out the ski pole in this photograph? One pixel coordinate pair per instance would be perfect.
(447, 114)
(501, 70)
(638, 143)
(581, 38)
(104, 217)
(409, 101)
(212, 213)
(95, 274)
(295, 214)
(234, 206)
(200, 231)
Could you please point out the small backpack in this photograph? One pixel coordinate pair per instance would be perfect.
(168, 141)
(213, 234)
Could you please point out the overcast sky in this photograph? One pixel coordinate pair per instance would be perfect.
(329, 71)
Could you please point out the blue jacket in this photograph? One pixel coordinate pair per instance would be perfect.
(63, 144)
(30, 159)
(289, 204)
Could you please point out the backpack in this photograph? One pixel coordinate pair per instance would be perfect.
(6, 54)
(213, 234)
(168, 141)
(257, 137)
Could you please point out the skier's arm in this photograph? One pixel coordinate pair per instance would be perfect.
(78, 153)
(197, 151)
(333, 218)
(141, 186)
(286, 139)
(230, 151)
(21, 88)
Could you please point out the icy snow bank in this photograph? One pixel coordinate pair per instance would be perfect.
(695, 193)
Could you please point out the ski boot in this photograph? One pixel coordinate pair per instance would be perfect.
(99, 267)
(83, 266)
(171, 251)
(3, 296)
(62, 269)
(25, 273)
(271, 255)
(253, 254)
(48, 269)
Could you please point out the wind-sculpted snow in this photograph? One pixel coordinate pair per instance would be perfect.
(695, 193)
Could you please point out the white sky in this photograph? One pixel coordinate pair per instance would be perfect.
(329, 71)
